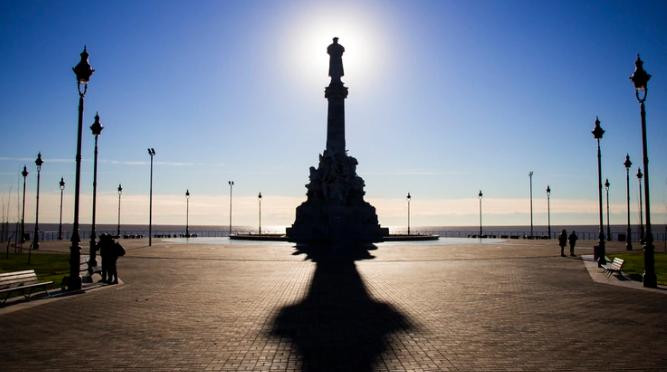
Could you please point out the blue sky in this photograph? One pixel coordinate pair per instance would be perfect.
(446, 98)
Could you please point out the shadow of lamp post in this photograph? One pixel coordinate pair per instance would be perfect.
(628, 231)
(83, 72)
(96, 129)
(640, 80)
(598, 132)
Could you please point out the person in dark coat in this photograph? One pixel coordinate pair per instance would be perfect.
(573, 241)
(562, 241)
(117, 250)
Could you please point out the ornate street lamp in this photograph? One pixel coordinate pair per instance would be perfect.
(641, 207)
(35, 239)
(530, 176)
(187, 213)
(549, 211)
(259, 198)
(606, 186)
(24, 173)
(96, 129)
(120, 192)
(151, 153)
(408, 197)
(60, 224)
(598, 132)
(83, 72)
(628, 231)
(231, 186)
(640, 80)
(480, 213)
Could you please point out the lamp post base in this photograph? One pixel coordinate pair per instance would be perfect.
(649, 278)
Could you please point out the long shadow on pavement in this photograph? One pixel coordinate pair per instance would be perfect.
(338, 326)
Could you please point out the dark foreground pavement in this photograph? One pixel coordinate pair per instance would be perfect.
(507, 306)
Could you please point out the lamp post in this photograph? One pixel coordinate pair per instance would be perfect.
(640, 80)
(549, 211)
(96, 129)
(151, 153)
(35, 239)
(641, 207)
(187, 213)
(120, 191)
(24, 173)
(530, 176)
(231, 186)
(606, 186)
(83, 72)
(60, 223)
(628, 231)
(480, 213)
(598, 132)
(259, 199)
(409, 197)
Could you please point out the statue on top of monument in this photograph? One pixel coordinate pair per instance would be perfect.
(335, 52)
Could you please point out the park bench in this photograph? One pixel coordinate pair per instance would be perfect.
(24, 281)
(614, 266)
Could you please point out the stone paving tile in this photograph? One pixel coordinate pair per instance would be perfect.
(513, 306)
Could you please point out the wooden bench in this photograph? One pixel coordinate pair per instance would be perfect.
(613, 267)
(24, 281)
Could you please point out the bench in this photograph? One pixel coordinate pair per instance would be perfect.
(614, 266)
(24, 281)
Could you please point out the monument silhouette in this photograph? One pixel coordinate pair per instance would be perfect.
(335, 214)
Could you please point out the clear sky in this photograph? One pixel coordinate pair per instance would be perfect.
(446, 98)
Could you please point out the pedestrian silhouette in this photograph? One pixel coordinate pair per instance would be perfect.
(573, 241)
(110, 251)
(562, 241)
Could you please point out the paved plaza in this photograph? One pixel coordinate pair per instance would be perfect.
(508, 306)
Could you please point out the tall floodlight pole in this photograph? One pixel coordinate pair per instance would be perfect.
(231, 186)
(187, 213)
(151, 153)
(24, 173)
(83, 72)
(606, 187)
(259, 199)
(628, 232)
(120, 192)
(597, 134)
(641, 207)
(640, 80)
(408, 197)
(480, 195)
(60, 223)
(96, 129)
(530, 176)
(549, 211)
(35, 239)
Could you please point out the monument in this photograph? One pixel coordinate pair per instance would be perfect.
(335, 213)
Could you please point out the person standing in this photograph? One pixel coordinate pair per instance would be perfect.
(105, 245)
(117, 250)
(573, 241)
(562, 241)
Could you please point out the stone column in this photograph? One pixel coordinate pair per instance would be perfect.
(335, 94)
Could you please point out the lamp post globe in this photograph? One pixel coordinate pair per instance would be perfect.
(120, 192)
(24, 173)
(598, 132)
(83, 71)
(96, 129)
(628, 230)
(640, 80)
(549, 211)
(61, 184)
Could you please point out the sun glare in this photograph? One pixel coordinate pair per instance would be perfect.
(359, 33)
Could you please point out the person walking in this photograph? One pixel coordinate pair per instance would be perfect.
(117, 250)
(573, 241)
(562, 241)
